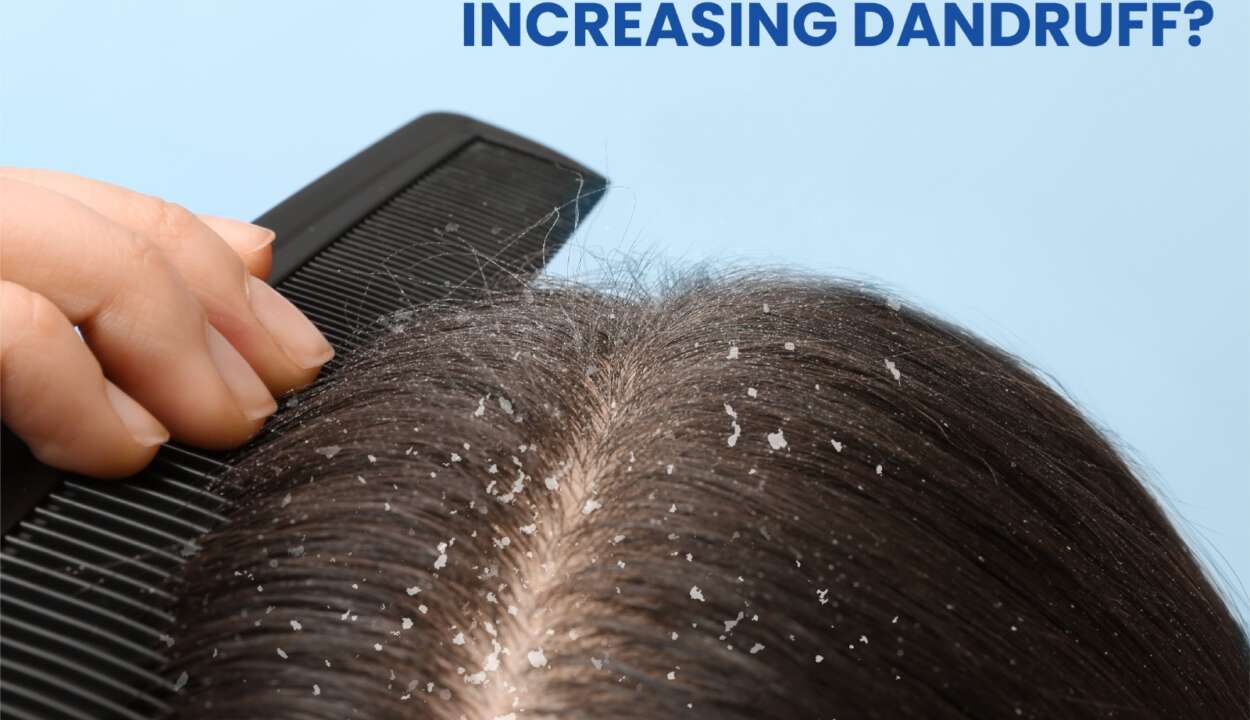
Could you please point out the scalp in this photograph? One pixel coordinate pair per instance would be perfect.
(759, 498)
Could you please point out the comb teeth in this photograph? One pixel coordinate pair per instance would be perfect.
(82, 591)
(84, 577)
(470, 224)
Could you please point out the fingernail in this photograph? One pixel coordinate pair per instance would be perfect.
(290, 328)
(245, 237)
(246, 386)
(255, 237)
(145, 429)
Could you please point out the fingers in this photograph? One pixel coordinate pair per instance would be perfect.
(149, 333)
(73, 417)
(218, 260)
(142, 213)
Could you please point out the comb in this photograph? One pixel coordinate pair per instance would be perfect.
(443, 207)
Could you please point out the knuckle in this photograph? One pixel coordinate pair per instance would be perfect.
(163, 221)
(142, 255)
(178, 231)
(148, 211)
(175, 222)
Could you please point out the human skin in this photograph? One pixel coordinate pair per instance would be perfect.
(126, 320)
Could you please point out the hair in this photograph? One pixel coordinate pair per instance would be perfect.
(746, 497)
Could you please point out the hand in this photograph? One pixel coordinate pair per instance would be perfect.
(182, 335)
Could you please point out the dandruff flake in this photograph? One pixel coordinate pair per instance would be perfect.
(889, 365)
(777, 440)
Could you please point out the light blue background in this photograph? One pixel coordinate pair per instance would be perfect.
(1089, 209)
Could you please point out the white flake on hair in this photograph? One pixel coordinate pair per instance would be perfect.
(836, 445)
(696, 593)
(537, 658)
(529, 529)
(286, 499)
(296, 625)
(733, 353)
(591, 506)
(441, 561)
(181, 682)
(889, 365)
(789, 346)
(282, 653)
(752, 392)
(777, 440)
(458, 639)
(316, 689)
(505, 404)
(406, 623)
(756, 648)
(412, 590)
(732, 440)
(481, 407)
(328, 451)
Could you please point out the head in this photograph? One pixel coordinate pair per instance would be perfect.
(760, 497)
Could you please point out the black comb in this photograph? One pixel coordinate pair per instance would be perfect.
(443, 207)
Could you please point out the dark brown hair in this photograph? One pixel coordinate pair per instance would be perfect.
(759, 497)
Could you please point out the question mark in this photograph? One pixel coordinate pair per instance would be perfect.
(1204, 12)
